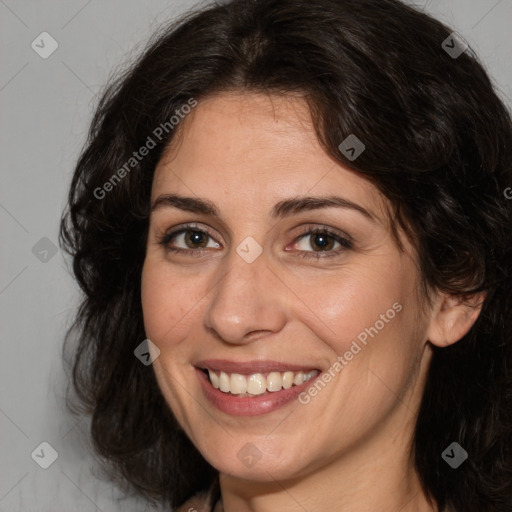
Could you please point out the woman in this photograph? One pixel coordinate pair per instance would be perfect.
(291, 231)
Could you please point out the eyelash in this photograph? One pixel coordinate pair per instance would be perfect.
(165, 239)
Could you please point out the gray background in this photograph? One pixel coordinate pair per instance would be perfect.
(46, 107)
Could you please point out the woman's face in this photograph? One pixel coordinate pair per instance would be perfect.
(253, 294)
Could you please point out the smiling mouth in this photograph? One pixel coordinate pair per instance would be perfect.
(256, 384)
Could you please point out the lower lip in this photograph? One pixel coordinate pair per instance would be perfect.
(247, 406)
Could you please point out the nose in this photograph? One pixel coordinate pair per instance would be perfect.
(247, 302)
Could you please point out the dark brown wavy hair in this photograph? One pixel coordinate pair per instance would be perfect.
(438, 146)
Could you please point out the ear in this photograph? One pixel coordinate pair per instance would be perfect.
(452, 317)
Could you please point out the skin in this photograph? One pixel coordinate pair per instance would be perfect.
(348, 449)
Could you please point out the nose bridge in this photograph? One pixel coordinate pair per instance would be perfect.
(243, 300)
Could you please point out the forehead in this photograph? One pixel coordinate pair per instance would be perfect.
(263, 147)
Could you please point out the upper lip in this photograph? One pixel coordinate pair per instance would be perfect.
(250, 367)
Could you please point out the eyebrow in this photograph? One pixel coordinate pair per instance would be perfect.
(281, 209)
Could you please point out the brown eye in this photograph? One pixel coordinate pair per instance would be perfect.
(323, 242)
(196, 237)
(187, 239)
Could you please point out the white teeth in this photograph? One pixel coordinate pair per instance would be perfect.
(224, 382)
(214, 379)
(238, 384)
(287, 380)
(274, 381)
(257, 383)
(307, 376)
(299, 378)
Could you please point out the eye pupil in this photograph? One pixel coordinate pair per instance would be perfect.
(195, 238)
(325, 241)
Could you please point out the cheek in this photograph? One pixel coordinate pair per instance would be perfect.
(159, 306)
(356, 305)
(169, 303)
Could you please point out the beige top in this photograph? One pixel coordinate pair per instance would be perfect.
(203, 503)
(199, 503)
